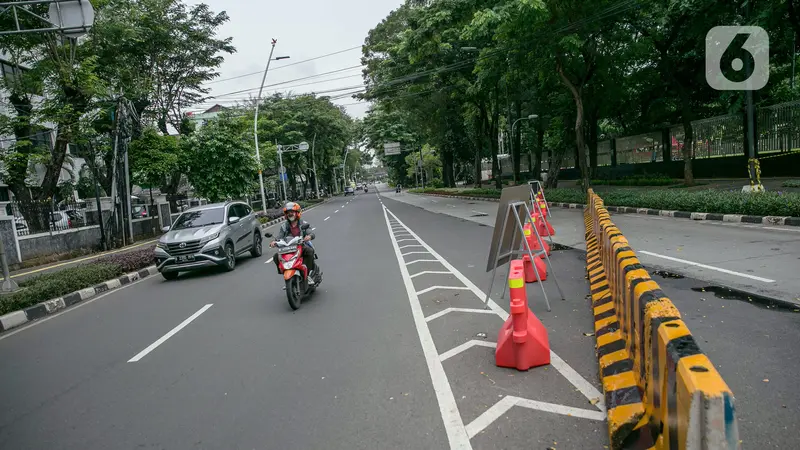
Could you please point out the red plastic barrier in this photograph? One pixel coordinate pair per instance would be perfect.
(522, 341)
(538, 265)
(533, 242)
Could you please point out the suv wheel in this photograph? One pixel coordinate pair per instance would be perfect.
(230, 257)
(169, 276)
(257, 250)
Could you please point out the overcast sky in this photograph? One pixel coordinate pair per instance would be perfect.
(304, 29)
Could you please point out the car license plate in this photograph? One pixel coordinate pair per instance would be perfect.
(187, 258)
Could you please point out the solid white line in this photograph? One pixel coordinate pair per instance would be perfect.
(416, 253)
(421, 260)
(586, 388)
(453, 424)
(506, 403)
(169, 334)
(38, 322)
(410, 245)
(326, 218)
(433, 288)
(442, 272)
(449, 310)
(705, 266)
(463, 347)
(780, 229)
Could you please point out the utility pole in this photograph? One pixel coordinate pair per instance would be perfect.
(314, 164)
(255, 130)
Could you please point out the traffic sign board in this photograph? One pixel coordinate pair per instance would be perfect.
(391, 148)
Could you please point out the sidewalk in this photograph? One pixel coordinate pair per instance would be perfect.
(19, 275)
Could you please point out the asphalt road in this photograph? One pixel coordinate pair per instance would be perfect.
(375, 360)
(752, 344)
(759, 259)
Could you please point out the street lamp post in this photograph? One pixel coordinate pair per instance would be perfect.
(301, 147)
(255, 126)
(314, 164)
(344, 169)
(530, 117)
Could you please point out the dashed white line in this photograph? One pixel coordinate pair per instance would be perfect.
(169, 334)
(706, 266)
(326, 218)
(336, 211)
(420, 260)
(506, 403)
(449, 310)
(415, 253)
(463, 347)
(443, 272)
(433, 288)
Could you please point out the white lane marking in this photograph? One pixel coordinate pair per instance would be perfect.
(313, 229)
(506, 403)
(410, 245)
(326, 218)
(580, 383)
(38, 322)
(420, 260)
(443, 272)
(170, 333)
(449, 310)
(781, 229)
(433, 288)
(453, 424)
(463, 347)
(706, 266)
(403, 240)
(415, 253)
(336, 211)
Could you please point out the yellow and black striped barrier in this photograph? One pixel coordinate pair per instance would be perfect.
(661, 391)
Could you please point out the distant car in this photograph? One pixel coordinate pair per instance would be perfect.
(359, 187)
(208, 236)
(349, 191)
(138, 212)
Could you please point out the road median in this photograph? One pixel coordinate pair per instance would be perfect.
(661, 391)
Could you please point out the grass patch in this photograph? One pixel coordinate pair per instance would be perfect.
(791, 184)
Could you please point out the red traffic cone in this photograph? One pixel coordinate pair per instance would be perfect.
(522, 341)
(533, 243)
(542, 203)
(538, 265)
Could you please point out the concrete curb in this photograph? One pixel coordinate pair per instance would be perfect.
(731, 218)
(31, 313)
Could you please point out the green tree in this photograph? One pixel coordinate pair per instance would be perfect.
(221, 159)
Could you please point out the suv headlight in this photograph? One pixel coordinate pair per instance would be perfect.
(209, 238)
(161, 245)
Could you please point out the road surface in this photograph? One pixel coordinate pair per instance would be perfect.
(393, 352)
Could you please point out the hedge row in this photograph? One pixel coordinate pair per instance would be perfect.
(57, 284)
(770, 203)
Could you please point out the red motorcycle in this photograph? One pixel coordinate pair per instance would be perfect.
(295, 272)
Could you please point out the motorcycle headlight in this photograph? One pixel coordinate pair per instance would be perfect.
(288, 264)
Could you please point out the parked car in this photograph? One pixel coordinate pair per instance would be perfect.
(349, 191)
(138, 211)
(208, 236)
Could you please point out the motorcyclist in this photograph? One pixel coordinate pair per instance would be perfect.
(294, 226)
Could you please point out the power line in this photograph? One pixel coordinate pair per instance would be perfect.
(292, 86)
(283, 82)
(284, 66)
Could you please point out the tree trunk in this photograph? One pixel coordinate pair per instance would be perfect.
(517, 140)
(495, 148)
(537, 168)
(592, 133)
(447, 169)
(580, 141)
(688, 152)
(555, 168)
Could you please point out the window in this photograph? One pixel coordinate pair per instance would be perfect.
(238, 210)
(197, 219)
(247, 210)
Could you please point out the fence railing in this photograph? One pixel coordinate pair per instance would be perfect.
(777, 126)
(35, 217)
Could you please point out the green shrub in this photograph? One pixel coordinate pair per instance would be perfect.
(638, 180)
(791, 184)
(132, 260)
(52, 285)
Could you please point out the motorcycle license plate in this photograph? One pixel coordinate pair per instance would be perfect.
(285, 250)
(183, 259)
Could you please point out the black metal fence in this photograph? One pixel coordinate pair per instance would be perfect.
(35, 217)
